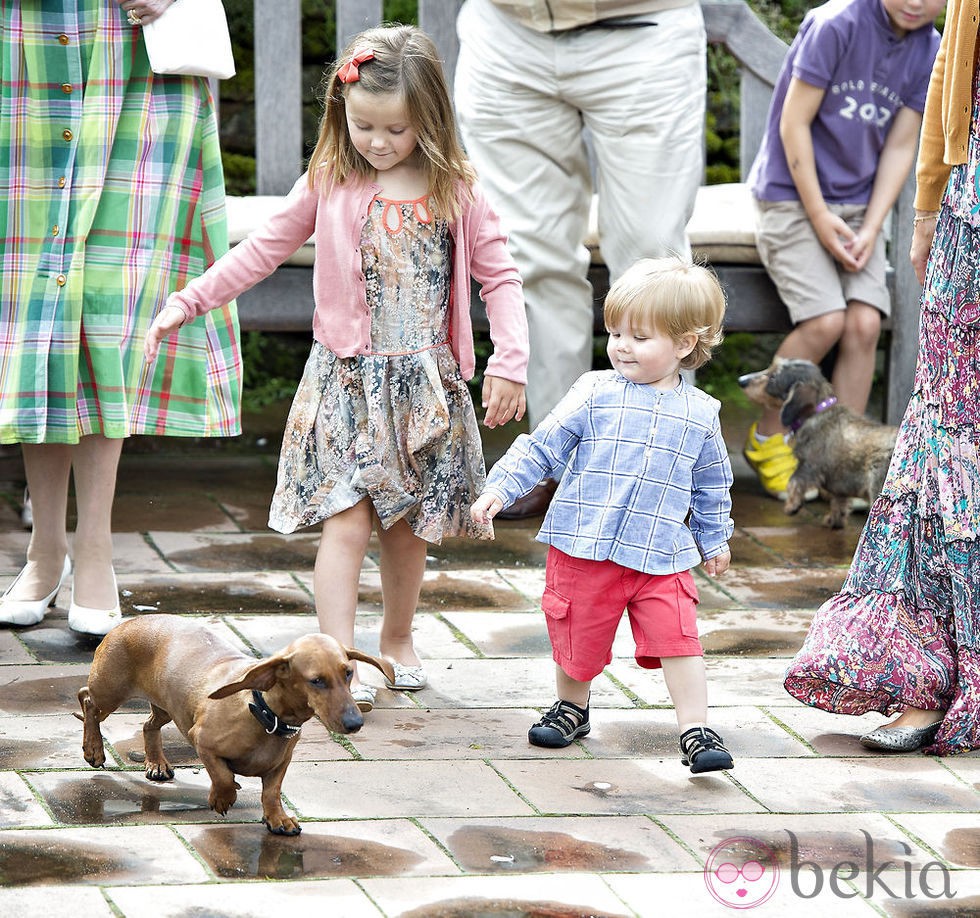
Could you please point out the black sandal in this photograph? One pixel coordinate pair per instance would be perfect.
(704, 750)
(560, 725)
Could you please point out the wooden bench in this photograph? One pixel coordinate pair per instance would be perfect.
(722, 230)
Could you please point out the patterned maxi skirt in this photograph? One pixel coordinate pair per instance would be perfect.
(111, 197)
(905, 629)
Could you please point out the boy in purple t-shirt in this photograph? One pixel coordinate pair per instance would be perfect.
(840, 141)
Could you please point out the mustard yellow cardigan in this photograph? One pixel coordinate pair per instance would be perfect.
(946, 119)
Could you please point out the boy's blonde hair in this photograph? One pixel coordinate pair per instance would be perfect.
(673, 297)
(405, 62)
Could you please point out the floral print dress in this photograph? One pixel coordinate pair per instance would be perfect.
(905, 629)
(395, 426)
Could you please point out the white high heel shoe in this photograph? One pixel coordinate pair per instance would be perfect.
(98, 622)
(29, 611)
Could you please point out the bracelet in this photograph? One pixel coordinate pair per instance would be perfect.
(923, 217)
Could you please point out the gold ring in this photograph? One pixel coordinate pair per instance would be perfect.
(132, 18)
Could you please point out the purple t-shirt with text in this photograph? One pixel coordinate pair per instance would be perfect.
(849, 49)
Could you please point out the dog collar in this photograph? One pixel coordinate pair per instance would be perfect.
(828, 402)
(268, 718)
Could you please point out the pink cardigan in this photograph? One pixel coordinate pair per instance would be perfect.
(342, 318)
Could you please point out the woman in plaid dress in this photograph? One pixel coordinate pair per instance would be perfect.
(111, 196)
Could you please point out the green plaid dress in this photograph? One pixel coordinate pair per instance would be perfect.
(111, 197)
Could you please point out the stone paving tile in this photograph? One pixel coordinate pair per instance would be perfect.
(731, 681)
(257, 593)
(908, 783)
(96, 856)
(955, 837)
(55, 902)
(99, 797)
(521, 634)
(830, 734)
(688, 894)
(808, 542)
(819, 838)
(130, 554)
(43, 741)
(341, 898)
(11, 648)
(568, 896)
(511, 547)
(622, 787)
(460, 735)
(752, 632)
(653, 733)
(365, 790)
(382, 847)
(499, 683)
(527, 581)
(263, 551)
(781, 588)
(41, 689)
(966, 767)
(560, 843)
(451, 590)
(18, 806)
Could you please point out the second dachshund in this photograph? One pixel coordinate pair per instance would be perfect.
(841, 453)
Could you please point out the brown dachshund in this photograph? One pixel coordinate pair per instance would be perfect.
(842, 454)
(242, 715)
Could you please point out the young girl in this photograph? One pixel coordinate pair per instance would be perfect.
(644, 499)
(382, 432)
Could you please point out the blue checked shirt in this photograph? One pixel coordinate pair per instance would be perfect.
(640, 460)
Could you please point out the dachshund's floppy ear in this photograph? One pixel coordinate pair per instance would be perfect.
(799, 405)
(260, 677)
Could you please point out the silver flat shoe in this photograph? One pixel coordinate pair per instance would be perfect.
(900, 739)
(363, 697)
(29, 611)
(407, 678)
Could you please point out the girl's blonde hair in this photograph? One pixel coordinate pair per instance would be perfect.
(405, 62)
(673, 297)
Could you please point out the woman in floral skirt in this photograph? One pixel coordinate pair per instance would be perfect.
(903, 634)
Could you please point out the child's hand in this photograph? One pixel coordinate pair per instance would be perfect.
(503, 400)
(718, 564)
(862, 246)
(169, 319)
(836, 237)
(485, 508)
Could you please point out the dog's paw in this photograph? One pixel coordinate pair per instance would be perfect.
(159, 771)
(282, 824)
(222, 801)
(96, 761)
(792, 505)
(834, 521)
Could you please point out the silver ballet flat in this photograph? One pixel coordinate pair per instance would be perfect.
(900, 739)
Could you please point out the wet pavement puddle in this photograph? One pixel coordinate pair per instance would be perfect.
(34, 858)
(126, 798)
(962, 846)
(243, 852)
(483, 848)
(46, 695)
(503, 908)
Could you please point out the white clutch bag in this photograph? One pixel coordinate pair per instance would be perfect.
(192, 38)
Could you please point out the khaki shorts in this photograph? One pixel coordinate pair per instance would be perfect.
(810, 281)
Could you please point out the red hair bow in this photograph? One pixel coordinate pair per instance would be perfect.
(349, 72)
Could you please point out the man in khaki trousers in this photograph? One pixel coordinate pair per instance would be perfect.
(531, 74)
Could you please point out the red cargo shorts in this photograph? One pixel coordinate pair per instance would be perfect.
(583, 603)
